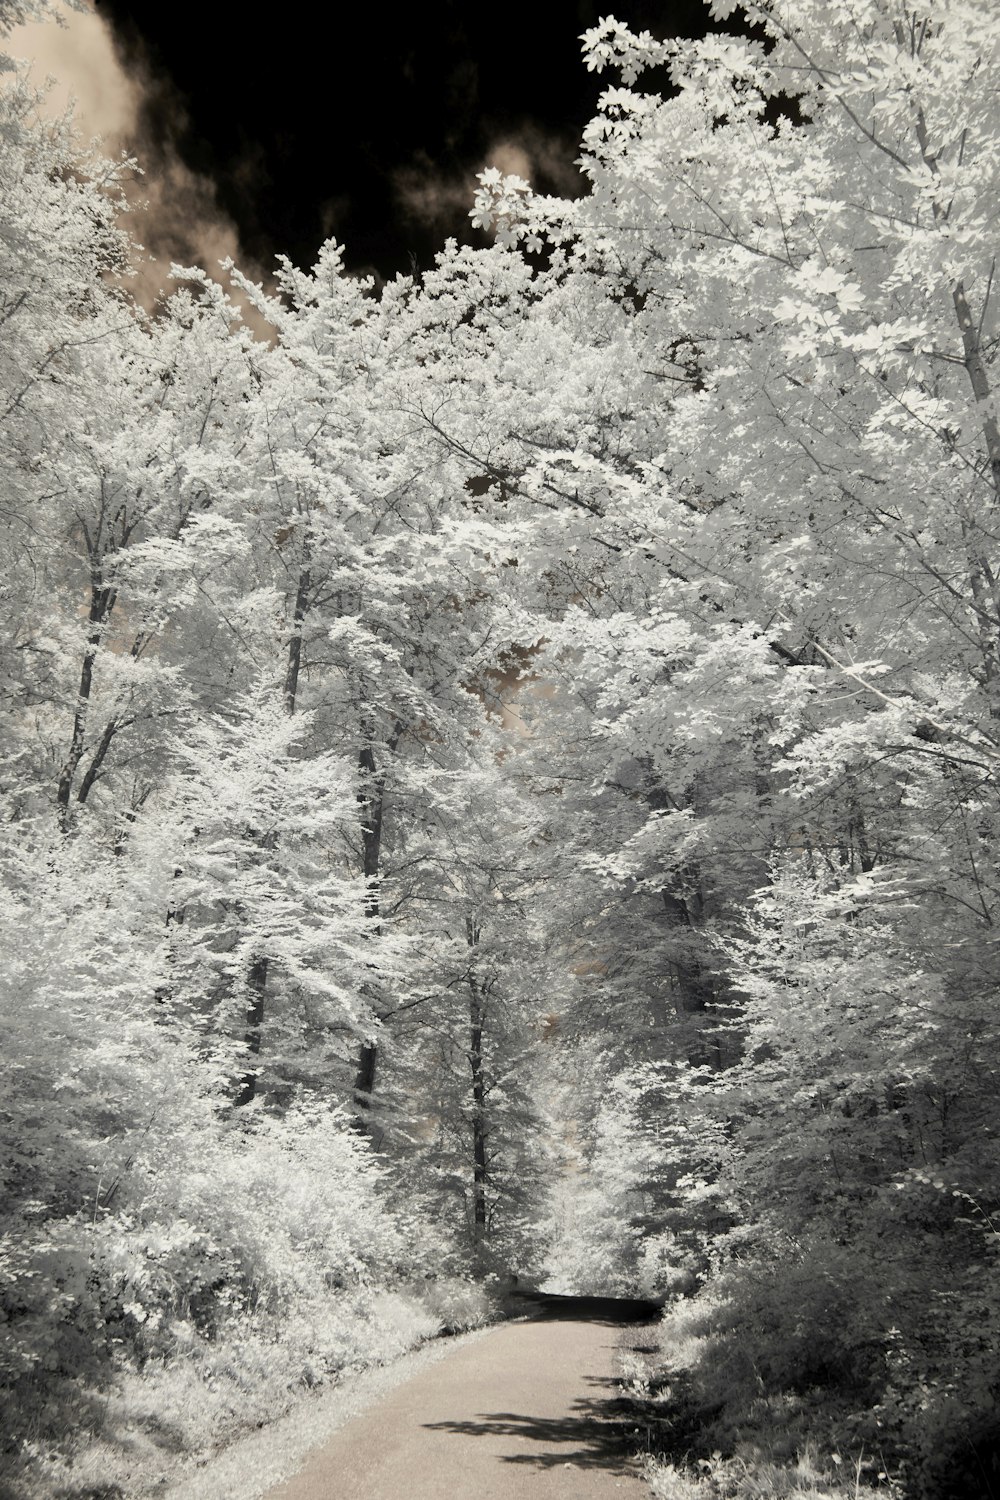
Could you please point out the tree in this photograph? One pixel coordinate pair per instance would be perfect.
(701, 470)
(460, 1067)
(361, 534)
(806, 480)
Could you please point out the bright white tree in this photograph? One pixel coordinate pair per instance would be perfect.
(803, 239)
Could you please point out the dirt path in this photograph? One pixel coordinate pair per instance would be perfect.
(519, 1415)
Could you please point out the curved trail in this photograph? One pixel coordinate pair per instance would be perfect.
(523, 1414)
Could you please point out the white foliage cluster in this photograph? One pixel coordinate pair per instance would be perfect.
(709, 481)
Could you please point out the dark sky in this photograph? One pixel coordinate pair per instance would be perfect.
(371, 127)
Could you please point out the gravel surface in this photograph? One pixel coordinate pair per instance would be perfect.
(252, 1465)
(520, 1413)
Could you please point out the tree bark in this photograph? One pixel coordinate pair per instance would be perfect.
(97, 760)
(371, 800)
(695, 981)
(102, 602)
(364, 1083)
(299, 613)
(259, 964)
(976, 369)
(479, 1166)
(370, 796)
(982, 579)
(256, 989)
(480, 1173)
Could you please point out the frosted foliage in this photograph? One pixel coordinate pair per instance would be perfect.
(501, 776)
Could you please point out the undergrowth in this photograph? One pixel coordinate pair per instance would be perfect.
(129, 1437)
(744, 1392)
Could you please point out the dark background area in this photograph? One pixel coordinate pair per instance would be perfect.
(314, 123)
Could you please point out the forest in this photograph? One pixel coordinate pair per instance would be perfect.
(500, 774)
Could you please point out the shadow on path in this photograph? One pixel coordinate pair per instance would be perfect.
(593, 1436)
(618, 1311)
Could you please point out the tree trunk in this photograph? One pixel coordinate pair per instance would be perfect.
(479, 1171)
(982, 579)
(102, 602)
(371, 801)
(370, 797)
(364, 1083)
(259, 964)
(256, 987)
(976, 369)
(294, 666)
(480, 1176)
(695, 981)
